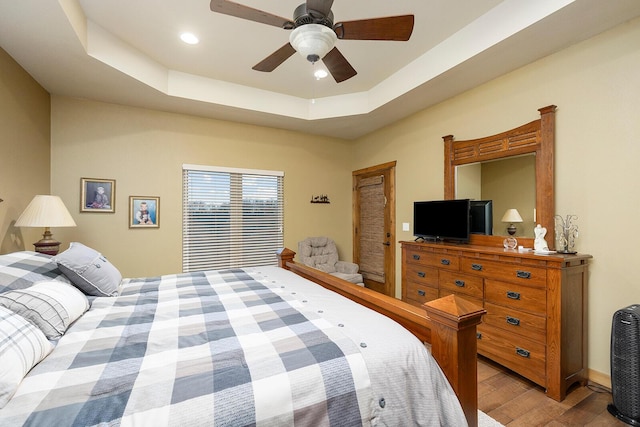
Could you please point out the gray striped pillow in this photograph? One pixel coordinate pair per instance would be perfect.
(22, 346)
(51, 306)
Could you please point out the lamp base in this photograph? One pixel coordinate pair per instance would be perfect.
(47, 245)
(511, 229)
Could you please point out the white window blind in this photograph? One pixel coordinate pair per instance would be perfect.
(231, 217)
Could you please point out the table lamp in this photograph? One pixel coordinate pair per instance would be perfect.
(511, 216)
(46, 211)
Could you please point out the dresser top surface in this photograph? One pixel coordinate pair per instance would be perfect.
(464, 248)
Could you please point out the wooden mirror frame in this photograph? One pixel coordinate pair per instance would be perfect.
(535, 137)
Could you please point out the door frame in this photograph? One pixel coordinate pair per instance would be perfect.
(390, 218)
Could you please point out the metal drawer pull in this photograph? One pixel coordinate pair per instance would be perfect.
(416, 257)
(478, 335)
(422, 293)
(513, 321)
(445, 261)
(523, 274)
(476, 267)
(513, 295)
(522, 352)
(459, 283)
(421, 274)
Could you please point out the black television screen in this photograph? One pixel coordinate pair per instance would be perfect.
(481, 213)
(442, 220)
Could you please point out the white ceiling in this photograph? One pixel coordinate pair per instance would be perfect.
(128, 52)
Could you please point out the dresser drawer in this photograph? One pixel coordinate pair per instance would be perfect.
(524, 298)
(515, 273)
(418, 293)
(454, 282)
(519, 354)
(428, 276)
(516, 322)
(433, 259)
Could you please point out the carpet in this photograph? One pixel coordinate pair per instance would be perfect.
(485, 420)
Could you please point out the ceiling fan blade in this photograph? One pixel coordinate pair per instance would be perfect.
(245, 12)
(338, 65)
(272, 61)
(322, 6)
(398, 28)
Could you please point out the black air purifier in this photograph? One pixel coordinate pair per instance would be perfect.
(625, 365)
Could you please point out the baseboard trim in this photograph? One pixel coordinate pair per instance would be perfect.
(599, 378)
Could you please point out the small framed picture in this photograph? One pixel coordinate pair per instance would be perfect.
(97, 195)
(144, 212)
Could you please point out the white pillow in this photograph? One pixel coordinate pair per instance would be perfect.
(22, 346)
(89, 270)
(51, 306)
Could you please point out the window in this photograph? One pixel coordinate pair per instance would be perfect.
(231, 217)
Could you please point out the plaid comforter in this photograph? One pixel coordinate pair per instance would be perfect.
(215, 348)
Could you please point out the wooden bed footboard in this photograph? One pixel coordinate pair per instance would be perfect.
(448, 324)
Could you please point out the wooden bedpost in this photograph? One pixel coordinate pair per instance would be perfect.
(453, 322)
(285, 255)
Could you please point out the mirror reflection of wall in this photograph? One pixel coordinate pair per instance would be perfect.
(510, 183)
(469, 181)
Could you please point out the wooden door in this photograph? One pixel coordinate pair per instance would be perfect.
(374, 243)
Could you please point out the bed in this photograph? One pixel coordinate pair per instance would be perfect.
(255, 346)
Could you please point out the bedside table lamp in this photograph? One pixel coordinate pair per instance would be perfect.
(46, 211)
(511, 216)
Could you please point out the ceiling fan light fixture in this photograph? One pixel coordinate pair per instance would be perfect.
(320, 73)
(313, 41)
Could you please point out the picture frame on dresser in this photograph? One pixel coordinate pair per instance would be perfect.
(97, 195)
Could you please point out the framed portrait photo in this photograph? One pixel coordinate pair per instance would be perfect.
(97, 195)
(144, 212)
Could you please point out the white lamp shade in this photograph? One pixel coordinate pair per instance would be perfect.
(45, 211)
(511, 215)
(313, 41)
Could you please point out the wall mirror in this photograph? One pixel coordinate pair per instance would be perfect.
(532, 142)
(510, 183)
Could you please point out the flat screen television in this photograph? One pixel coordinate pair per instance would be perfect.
(442, 220)
(481, 213)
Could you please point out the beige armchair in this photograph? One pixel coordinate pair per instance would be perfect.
(321, 253)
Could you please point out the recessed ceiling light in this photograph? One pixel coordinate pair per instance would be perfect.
(320, 73)
(189, 38)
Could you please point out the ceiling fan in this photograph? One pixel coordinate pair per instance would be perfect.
(314, 34)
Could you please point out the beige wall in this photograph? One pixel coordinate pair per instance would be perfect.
(144, 150)
(24, 151)
(596, 86)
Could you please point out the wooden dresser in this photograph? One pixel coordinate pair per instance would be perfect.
(536, 321)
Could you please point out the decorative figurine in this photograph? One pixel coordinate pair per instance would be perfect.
(540, 244)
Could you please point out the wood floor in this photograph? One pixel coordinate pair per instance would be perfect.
(515, 401)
